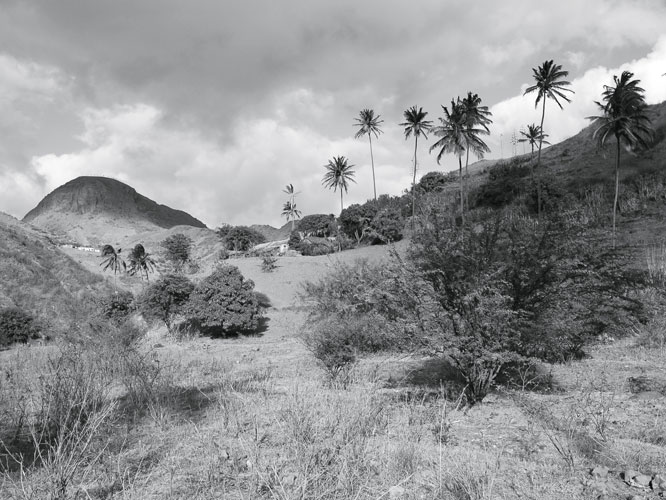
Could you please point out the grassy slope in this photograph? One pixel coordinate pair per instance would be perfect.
(36, 276)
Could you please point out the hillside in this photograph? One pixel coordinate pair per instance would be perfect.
(37, 277)
(94, 210)
(578, 161)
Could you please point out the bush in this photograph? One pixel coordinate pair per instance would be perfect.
(116, 306)
(355, 220)
(17, 326)
(313, 246)
(317, 225)
(387, 226)
(177, 250)
(294, 240)
(269, 263)
(435, 181)
(505, 183)
(242, 238)
(166, 298)
(224, 303)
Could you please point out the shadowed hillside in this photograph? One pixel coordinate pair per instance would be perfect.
(91, 210)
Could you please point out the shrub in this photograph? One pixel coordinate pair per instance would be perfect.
(224, 302)
(166, 298)
(269, 263)
(242, 238)
(312, 246)
(318, 225)
(355, 220)
(387, 226)
(435, 181)
(505, 183)
(17, 326)
(116, 306)
(294, 240)
(177, 250)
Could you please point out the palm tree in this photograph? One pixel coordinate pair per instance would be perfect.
(453, 140)
(415, 124)
(368, 124)
(338, 174)
(140, 261)
(549, 84)
(477, 120)
(112, 260)
(291, 213)
(533, 135)
(625, 116)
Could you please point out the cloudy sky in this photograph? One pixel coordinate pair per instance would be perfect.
(214, 106)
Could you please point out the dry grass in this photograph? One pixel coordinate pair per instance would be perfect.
(255, 418)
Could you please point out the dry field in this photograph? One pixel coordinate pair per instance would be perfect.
(255, 417)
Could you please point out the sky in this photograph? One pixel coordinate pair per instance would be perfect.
(213, 107)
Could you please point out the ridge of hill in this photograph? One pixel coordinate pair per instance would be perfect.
(92, 210)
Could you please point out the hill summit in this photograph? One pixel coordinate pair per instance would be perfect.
(91, 210)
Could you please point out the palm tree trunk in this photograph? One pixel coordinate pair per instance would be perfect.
(467, 180)
(372, 162)
(543, 115)
(416, 141)
(341, 201)
(293, 224)
(617, 185)
(462, 205)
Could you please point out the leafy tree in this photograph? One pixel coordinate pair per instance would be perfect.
(317, 225)
(224, 302)
(140, 262)
(415, 124)
(368, 125)
(166, 298)
(549, 85)
(624, 116)
(177, 250)
(242, 238)
(355, 220)
(16, 326)
(338, 174)
(434, 181)
(477, 119)
(290, 211)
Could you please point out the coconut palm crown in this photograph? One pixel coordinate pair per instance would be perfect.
(338, 174)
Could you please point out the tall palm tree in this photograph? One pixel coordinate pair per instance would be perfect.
(140, 262)
(550, 84)
(338, 174)
(415, 124)
(452, 130)
(112, 260)
(291, 213)
(625, 116)
(368, 124)
(533, 136)
(477, 119)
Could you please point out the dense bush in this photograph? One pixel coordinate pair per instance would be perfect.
(241, 238)
(377, 222)
(318, 225)
(224, 303)
(505, 183)
(177, 250)
(166, 298)
(16, 326)
(435, 181)
(355, 220)
(316, 246)
(116, 306)
(387, 226)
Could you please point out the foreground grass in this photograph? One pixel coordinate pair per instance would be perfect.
(223, 420)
